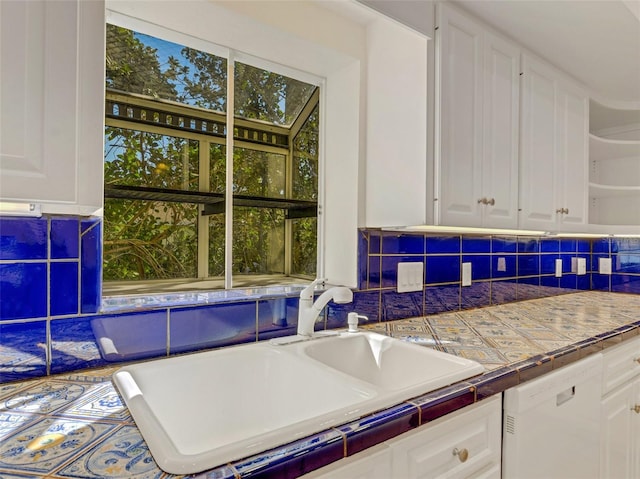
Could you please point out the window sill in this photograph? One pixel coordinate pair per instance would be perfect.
(128, 296)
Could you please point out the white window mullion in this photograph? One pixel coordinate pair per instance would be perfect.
(204, 181)
(228, 207)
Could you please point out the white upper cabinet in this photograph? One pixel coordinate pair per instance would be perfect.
(52, 104)
(553, 150)
(477, 97)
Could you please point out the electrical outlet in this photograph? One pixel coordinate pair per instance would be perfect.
(604, 265)
(410, 277)
(502, 264)
(581, 266)
(558, 268)
(466, 274)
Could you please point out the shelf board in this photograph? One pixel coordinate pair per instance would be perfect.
(608, 191)
(213, 202)
(606, 149)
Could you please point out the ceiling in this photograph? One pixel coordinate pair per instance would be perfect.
(596, 41)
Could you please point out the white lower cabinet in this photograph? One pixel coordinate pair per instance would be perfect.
(463, 444)
(620, 413)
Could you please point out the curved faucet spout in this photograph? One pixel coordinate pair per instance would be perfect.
(309, 312)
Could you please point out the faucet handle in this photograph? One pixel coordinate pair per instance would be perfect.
(307, 293)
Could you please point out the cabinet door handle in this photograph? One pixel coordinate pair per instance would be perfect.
(463, 454)
(635, 408)
(482, 201)
(560, 210)
(637, 360)
(491, 202)
(566, 211)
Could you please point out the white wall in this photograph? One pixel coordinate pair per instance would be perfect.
(396, 166)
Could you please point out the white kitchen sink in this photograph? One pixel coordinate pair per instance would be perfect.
(202, 410)
(389, 364)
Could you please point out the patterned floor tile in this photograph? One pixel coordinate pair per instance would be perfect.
(47, 444)
(103, 403)
(123, 454)
(9, 389)
(45, 397)
(12, 421)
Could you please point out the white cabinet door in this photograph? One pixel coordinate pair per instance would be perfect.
(52, 103)
(465, 444)
(554, 151)
(573, 155)
(620, 412)
(500, 132)
(477, 153)
(620, 446)
(459, 130)
(538, 188)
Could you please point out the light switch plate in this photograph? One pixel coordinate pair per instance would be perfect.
(604, 265)
(466, 274)
(410, 277)
(558, 268)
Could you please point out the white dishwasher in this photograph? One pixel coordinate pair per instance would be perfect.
(552, 424)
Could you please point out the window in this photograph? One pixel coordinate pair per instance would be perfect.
(169, 209)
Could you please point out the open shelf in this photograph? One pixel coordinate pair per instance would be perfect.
(213, 202)
(607, 191)
(602, 149)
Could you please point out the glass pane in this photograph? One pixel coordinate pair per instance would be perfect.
(305, 160)
(217, 166)
(146, 240)
(156, 68)
(258, 241)
(216, 245)
(267, 96)
(138, 158)
(304, 248)
(258, 173)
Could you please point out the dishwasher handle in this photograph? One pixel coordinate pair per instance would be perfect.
(566, 395)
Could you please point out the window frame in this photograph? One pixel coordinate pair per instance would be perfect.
(230, 142)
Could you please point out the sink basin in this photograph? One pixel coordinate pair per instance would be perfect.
(390, 364)
(202, 410)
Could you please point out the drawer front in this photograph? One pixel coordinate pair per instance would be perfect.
(621, 364)
(462, 445)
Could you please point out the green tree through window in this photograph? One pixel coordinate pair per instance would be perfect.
(149, 239)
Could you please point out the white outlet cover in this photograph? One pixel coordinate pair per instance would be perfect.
(604, 265)
(466, 274)
(502, 264)
(558, 268)
(582, 266)
(410, 277)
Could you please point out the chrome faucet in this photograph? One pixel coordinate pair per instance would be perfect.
(308, 311)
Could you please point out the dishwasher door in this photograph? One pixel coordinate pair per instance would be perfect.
(552, 424)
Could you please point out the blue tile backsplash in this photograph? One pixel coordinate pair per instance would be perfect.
(53, 318)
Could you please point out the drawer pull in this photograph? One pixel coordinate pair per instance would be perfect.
(635, 408)
(463, 454)
(637, 360)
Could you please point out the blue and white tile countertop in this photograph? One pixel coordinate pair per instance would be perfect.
(75, 425)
